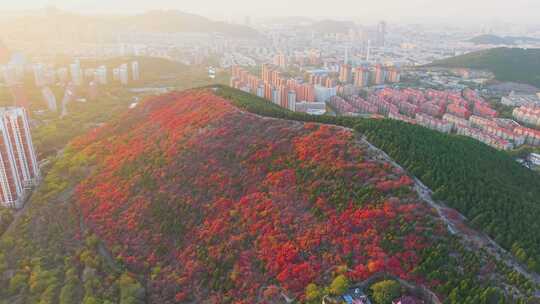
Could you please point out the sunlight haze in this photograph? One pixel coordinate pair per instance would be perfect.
(430, 10)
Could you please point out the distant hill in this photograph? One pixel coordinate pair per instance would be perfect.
(176, 21)
(498, 40)
(291, 20)
(75, 27)
(332, 26)
(508, 64)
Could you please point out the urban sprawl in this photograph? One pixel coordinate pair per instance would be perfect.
(361, 90)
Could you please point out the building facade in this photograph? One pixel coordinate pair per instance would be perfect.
(19, 169)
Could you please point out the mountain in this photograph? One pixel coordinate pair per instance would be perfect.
(215, 196)
(176, 21)
(498, 40)
(508, 64)
(76, 27)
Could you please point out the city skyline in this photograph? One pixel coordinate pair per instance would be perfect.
(519, 11)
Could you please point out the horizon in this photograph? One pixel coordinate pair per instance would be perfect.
(522, 12)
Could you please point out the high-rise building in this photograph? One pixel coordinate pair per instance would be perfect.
(260, 91)
(76, 73)
(69, 95)
(368, 50)
(381, 33)
(266, 73)
(135, 71)
(276, 97)
(361, 77)
(393, 75)
(116, 74)
(378, 78)
(124, 74)
(305, 92)
(291, 101)
(345, 73)
(19, 168)
(49, 98)
(280, 60)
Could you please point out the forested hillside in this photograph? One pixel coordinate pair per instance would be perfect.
(508, 64)
(188, 198)
(498, 195)
(502, 40)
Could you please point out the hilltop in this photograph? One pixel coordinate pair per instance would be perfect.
(508, 64)
(176, 21)
(193, 197)
(88, 28)
(505, 40)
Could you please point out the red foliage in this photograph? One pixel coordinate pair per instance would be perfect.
(225, 201)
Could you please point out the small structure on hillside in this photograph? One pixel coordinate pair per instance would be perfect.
(356, 296)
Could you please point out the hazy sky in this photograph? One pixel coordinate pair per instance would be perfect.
(501, 10)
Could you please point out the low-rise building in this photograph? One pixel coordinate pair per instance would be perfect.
(535, 159)
(528, 114)
(515, 100)
(313, 108)
(433, 123)
(456, 121)
(532, 136)
(458, 110)
(363, 105)
(397, 116)
(491, 140)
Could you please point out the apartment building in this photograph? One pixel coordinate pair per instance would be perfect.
(19, 168)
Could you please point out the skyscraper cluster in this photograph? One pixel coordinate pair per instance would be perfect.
(362, 76)
(285, 92)
(19, 169)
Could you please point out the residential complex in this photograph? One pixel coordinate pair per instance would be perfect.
(285, 92)
(19, 169)
(517, 100)
(319, 86)
(529, 115)
(364, 75)
(74, 79)
(463, 112)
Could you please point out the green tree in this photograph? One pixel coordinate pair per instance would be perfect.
(339, 285)
(313, 293)
(386, 291)
(18, 283)
(131, 291)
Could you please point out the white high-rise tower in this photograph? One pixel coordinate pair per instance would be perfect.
(19, 169)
